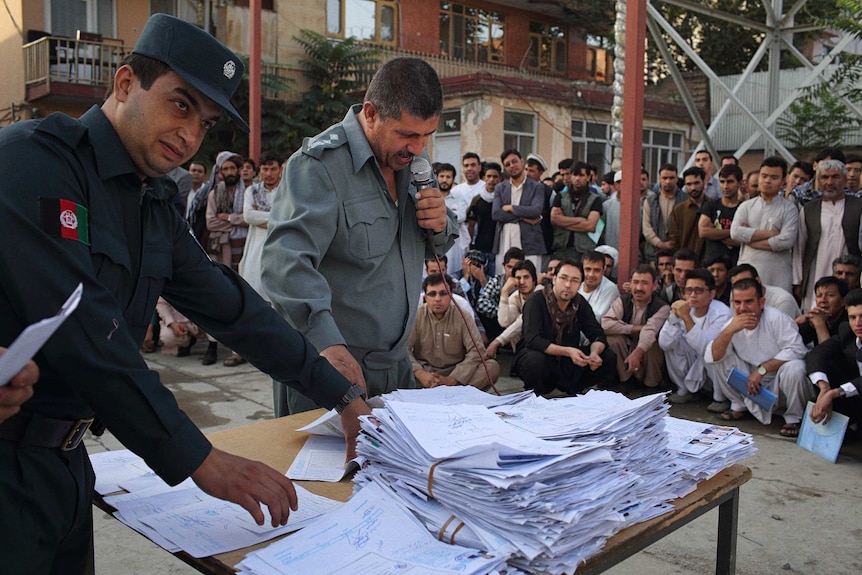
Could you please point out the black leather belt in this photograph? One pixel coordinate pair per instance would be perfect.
(36, 430)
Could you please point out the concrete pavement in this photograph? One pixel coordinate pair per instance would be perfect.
(798, 514)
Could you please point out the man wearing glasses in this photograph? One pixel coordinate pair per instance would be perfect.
(446, 348)
(550, 356)
(694, 321)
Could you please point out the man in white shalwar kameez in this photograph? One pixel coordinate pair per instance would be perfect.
(763, 343)
(693, 323)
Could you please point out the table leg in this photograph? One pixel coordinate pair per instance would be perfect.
(728, 516)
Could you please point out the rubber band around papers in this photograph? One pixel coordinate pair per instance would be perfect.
(457, 529)
(442, 532)
(431, 476)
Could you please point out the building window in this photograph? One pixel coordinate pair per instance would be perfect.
(661, 147)
(369, 20)
(519, 132)
(599, 60)
(183, 9)
(469, 33)
(591, 143)
(450, 122)
(67, 17)
(547, 48)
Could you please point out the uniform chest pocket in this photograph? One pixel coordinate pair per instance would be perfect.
(369, 227)
(156, 269)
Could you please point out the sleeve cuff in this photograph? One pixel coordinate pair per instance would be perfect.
(849, 389)
(818, 376)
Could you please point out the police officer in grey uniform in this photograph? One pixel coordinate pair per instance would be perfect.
(348, 235)
(101, 215)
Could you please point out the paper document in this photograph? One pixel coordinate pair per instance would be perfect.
(34, 337)
(597, 234)
(739, 381)
(823, 439)
(371, 533)
(210, 526)
(321, 459)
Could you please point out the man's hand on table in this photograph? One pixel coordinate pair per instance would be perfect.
(248, 483)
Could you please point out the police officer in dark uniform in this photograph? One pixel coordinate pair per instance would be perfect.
(98, 212)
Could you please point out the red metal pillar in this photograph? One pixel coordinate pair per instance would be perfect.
(633, 108)
(254, 87)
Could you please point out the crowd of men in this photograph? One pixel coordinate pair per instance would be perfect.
(675, 322)
(730, 265)
(736, 272)
(311, 272)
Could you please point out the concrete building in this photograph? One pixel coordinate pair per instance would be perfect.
(514, 74)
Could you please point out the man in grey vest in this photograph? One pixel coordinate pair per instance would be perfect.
(576, 215)
(833, 217)
(656, 213)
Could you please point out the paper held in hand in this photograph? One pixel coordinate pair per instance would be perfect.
(34, 337)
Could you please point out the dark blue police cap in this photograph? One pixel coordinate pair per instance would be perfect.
(196, 56)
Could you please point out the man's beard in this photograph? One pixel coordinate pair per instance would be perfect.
(230, 180)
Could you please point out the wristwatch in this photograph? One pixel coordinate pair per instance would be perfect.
(842, 392)
(352, 393)
(761, 370)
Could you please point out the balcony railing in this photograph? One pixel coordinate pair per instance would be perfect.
(69, 61)
(444, 66)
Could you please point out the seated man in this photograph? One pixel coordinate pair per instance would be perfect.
(632, 325)
(847, 268)
(821, 322)
(833, 366)
(549, 355)
(473, 277)
(489, 297)
(719, 268)
(444, 345)
(547, 278)
(763, 343)
(597, 289)
(432, 267)
(525, 279)
(178, 333)
(776, 297)
(692, 324)
(683, 261)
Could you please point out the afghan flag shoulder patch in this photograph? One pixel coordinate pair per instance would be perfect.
(65, 219)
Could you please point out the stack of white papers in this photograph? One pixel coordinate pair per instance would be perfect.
(184, 517)
(702, 450)
(544, 481)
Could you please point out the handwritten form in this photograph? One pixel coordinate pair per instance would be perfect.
(184, 517)
(371, 533)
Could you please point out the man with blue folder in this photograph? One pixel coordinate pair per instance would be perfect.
(764, 343)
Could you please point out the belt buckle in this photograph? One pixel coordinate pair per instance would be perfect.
(76, 434)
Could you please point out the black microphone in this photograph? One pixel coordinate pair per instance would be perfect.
(422, 177)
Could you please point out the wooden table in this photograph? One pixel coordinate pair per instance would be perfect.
(276, 443)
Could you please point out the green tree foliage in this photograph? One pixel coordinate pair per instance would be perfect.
(725, 46)
(819, 120)
(728, 47)
(821, 117)
(339, 72)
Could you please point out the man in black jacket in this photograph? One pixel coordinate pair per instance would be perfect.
(833, 366)
(549, 354)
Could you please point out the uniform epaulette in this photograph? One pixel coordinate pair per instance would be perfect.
(328, 140)
(66, 129)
